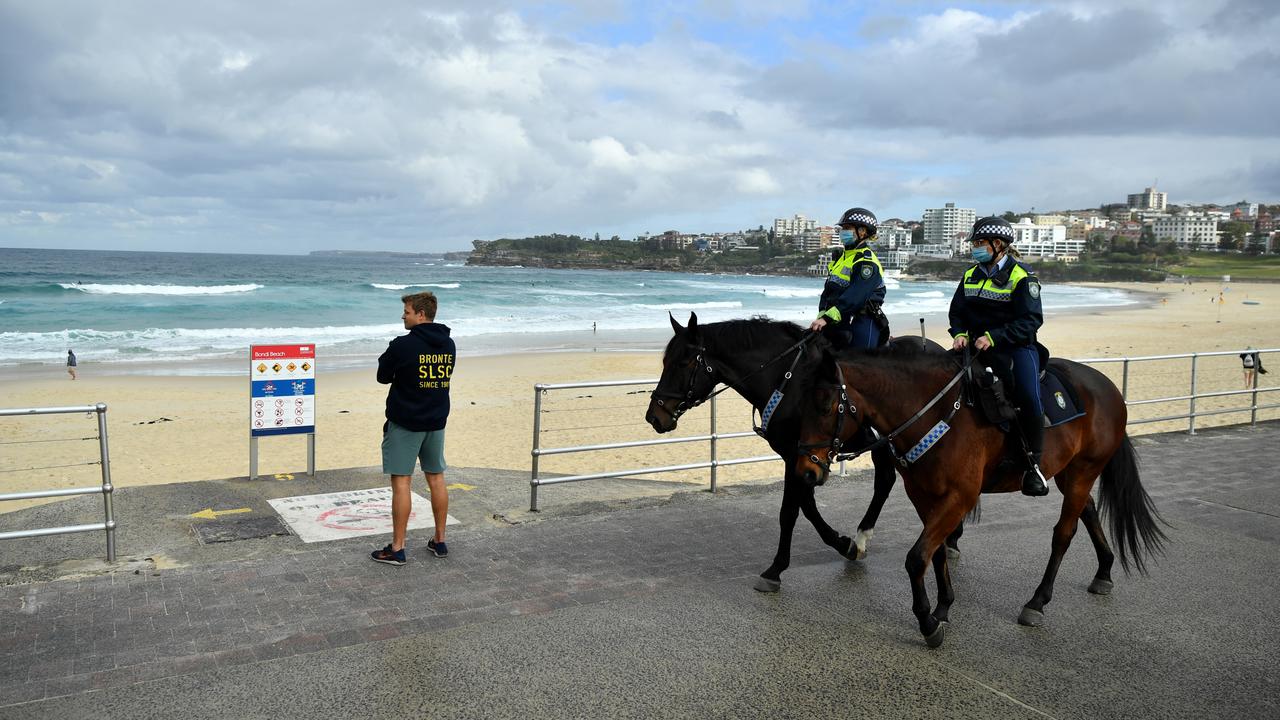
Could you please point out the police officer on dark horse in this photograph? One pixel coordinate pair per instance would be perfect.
(755, 357)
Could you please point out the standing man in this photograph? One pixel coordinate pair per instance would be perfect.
(418, 367)
(849, 313)
(71, 364)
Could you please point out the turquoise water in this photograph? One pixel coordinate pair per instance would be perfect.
(182, 311)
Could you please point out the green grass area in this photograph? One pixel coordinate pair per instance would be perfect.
(1212, 265)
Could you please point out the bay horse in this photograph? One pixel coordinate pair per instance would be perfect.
(903, 394)
(754, 357)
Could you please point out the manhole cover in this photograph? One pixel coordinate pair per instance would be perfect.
(220, 531)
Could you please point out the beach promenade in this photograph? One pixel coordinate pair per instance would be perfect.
(604, 606)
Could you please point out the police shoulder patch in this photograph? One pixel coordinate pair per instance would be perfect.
(1033, 288)
(867, 270)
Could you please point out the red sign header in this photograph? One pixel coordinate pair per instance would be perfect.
(270, 352)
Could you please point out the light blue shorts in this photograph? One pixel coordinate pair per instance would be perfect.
(401, 447)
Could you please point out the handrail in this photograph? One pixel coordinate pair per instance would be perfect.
(109, 523)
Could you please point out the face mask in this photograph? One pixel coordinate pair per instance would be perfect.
(848, 237)
(982, 254)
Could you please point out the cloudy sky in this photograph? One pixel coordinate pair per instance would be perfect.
(292, 126)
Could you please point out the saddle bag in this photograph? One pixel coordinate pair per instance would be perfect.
(993, 397)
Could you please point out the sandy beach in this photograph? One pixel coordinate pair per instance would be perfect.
(175, 429)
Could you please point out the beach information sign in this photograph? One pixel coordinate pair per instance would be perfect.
(282, 394)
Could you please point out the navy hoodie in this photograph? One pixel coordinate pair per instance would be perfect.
(418, 367)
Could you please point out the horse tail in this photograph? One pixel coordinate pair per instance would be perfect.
(975, 515)
(1135, 524)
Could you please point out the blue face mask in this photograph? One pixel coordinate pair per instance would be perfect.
(982, 254)
(848, 237)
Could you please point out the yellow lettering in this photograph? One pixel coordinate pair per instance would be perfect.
(422, 371)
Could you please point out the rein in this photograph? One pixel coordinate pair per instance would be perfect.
(912, 455)
(687, 402)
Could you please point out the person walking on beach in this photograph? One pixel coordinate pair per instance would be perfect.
(418, 367)
(71, 364)
(997, 307)
(849, 313)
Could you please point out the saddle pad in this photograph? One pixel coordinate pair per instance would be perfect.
(1058, 399)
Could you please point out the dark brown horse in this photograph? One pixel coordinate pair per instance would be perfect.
(886, 388)
(753, 357)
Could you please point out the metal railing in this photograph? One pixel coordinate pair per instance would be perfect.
(1192, 383)
(109, 523)
(712, 438)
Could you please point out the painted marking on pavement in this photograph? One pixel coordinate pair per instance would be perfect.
(211, 514)
(350, 513)
(459, 486)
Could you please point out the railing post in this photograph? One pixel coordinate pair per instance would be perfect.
(537, 431)
(1253, 404)
(714, 456)
(107, 488)
(1124, 382)
(1191, 420)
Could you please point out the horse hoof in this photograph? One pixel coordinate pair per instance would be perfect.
(1101, 586)
(765, 585)
(850, 550)
(935, 639)
(953, 554)
(1031, 618)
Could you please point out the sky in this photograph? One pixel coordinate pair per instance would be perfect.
(286, 127)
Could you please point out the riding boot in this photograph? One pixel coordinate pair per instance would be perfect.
(1033, 481)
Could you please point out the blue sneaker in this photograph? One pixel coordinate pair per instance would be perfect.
(389, 556)
(439, 549)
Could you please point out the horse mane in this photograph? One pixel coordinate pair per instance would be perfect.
(750, 332)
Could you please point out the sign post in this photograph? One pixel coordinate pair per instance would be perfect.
(282, 397)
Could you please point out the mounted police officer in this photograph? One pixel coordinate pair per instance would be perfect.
(997, 307)
(849, 313)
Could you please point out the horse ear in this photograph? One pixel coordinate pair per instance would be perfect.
(693, 324)
(674, 325)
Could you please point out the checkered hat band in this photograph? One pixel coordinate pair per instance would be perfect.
(859, 218)
(998, 230)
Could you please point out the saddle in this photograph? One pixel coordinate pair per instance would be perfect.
(990, 388)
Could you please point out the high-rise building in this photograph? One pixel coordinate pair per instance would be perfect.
(1149, 199)
(943, 225)
(792, 226)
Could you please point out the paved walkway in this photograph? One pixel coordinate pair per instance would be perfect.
(646, 610)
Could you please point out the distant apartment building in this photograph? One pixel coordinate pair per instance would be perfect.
(1189, 231)
(1046, 241)
(933, 250)
(942, 225)
(1149, 199)
(893, 236)
(815, 239)
(792, 226)
(1049, 219)
(1242, 210)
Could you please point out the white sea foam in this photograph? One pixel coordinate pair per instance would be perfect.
(691, 305)
(388, 286)
(929, 294)
(786, 292)
(98, 289)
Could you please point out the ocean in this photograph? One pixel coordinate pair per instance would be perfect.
(197, 313)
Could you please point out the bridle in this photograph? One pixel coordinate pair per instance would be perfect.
(835, 445)
(687, 399)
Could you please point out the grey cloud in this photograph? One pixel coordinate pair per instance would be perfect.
(722, 120)
(1054, 44)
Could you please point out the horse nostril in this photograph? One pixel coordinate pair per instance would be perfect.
(810, 477)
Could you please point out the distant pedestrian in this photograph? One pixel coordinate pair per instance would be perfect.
(419, 368)
(71, 364)
(593, 328)
(1252, 362)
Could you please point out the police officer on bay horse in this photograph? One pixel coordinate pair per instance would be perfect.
(996, 307)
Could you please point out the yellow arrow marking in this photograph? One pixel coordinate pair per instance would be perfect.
(284, 476)
(211, 514)
(459, 486)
